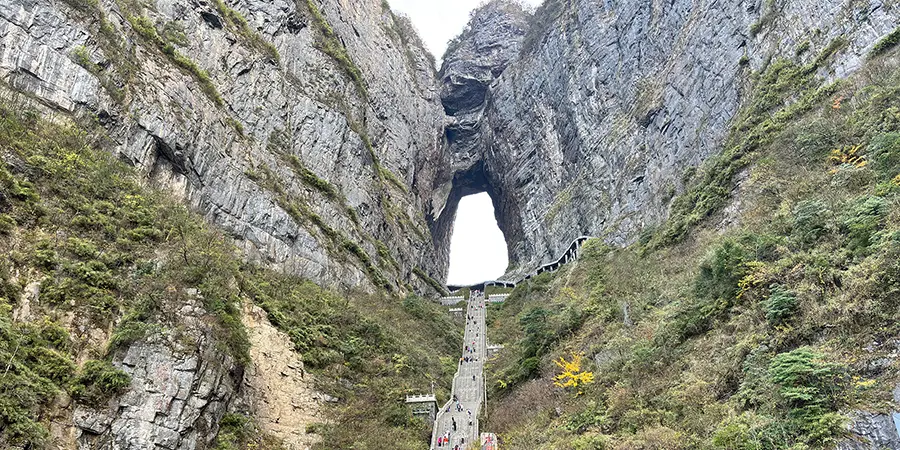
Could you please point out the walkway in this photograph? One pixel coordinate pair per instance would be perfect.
(468, 386)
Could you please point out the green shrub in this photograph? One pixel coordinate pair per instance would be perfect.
(98, 381)
(36, 367)
(236, 125)
(83, 58)
(385, 254)
(811, 389)
(590, 417)
(416, 306)
(592, 442)
(538, 332)
(884, 152)
(721, 271)
(810, 221)
(862, 220)
(747, 431)
(716, 285)
(9, 291)
(135, 325)
(7, 224)
(780, 306)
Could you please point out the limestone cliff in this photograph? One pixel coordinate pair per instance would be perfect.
(473, 61)
(311, 131)
(595, 121)
(318, 136)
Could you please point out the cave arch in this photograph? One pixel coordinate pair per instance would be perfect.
(473, 180)
(478, 249)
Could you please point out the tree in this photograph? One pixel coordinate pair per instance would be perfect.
(572, 376)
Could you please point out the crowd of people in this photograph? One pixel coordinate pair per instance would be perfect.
(451, 438)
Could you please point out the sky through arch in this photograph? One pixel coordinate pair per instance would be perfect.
(477, 247)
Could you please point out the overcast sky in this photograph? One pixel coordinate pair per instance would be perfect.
(438, 21)
(477, 248)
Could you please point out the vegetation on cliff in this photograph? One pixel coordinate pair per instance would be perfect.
(92, 250)
(762, 328)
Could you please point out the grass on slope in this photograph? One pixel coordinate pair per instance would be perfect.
(370, 351)
(763, 336)
(111, 254)
(101, 248)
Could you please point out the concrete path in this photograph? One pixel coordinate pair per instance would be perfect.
(468, 386)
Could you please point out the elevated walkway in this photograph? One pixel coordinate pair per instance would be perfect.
(457, 420)
(571, 254)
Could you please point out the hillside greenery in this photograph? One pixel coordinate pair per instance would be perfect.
(109, 253)
(763, 333)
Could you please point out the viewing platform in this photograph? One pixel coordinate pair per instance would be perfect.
(452, 300)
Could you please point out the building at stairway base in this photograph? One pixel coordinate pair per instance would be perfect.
(423, 407)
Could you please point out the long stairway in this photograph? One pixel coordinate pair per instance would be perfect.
(468, 386)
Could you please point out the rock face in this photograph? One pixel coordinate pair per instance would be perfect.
(303, 128)
(276, 387)
(311, 131)
(316, 133)
(873, 431)
(180, 388)
(592, 125)
(473, 61)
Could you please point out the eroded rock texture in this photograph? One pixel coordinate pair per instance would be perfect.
(592, 125)
(181, 386)
(318, 154)
(276, 386)
(367, 120)
(475, 59)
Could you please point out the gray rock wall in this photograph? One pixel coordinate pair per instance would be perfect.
(231, 161)
(589, 130)
(305, 106)
(474, 60)
(181, 386)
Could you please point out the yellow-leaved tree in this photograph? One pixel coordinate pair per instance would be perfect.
(572, 376)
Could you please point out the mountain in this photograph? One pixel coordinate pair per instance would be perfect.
(224, 221)
(595, 114)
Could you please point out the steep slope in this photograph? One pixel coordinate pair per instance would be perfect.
(599, 121)
(761, 315)
(128, 322)
(311, 131)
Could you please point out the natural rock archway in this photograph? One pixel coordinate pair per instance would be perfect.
(473, 61)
